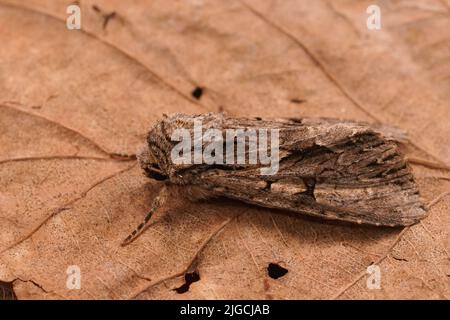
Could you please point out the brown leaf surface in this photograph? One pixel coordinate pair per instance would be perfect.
(75, 106)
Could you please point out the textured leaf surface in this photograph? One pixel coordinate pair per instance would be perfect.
(75, 106)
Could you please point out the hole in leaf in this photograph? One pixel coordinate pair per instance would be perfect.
(7, 291)
(189, 278)
(298, 101)
(276, 271)
(197, 93)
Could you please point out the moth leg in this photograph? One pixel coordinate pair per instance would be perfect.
(157, 203)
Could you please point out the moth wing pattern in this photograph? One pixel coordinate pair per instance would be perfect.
(328, 168)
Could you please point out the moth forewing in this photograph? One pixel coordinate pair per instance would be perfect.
(327, 168)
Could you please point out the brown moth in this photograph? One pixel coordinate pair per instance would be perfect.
(328, 168)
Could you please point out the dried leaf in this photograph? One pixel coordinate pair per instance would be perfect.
(76, 104)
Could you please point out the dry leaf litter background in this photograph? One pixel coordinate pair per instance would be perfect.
(75, 106)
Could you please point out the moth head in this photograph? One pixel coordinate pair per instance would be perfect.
(150, 165)
(156, 156)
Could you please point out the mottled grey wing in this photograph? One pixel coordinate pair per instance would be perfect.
(328, 168)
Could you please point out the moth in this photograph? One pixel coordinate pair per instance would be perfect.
(327, 168)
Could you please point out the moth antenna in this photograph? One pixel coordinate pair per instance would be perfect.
(157, 203)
